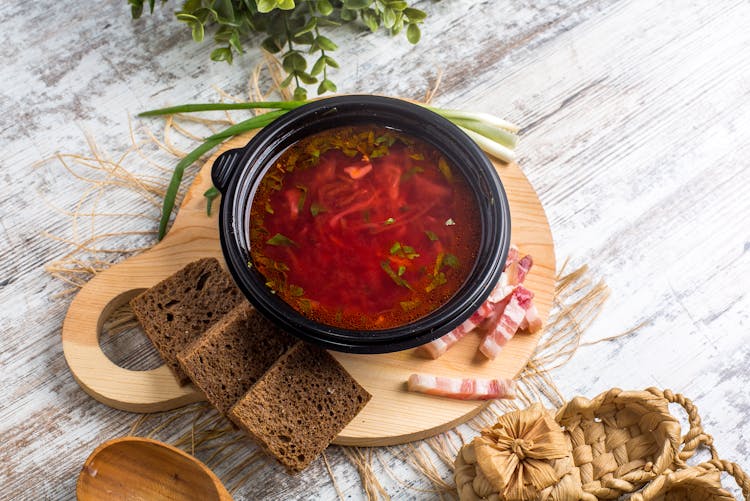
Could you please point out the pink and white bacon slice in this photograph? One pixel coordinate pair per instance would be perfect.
(462, 388)
(504, 327)
(515, 273)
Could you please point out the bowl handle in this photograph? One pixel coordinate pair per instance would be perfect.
(223, 167)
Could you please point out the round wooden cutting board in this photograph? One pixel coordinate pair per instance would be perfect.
(393, 415)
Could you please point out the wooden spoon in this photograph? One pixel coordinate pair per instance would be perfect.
(141, 468)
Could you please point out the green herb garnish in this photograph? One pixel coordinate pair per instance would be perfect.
(281, 240)
(401, 250)
(431, 235)
(302, 198)
(305, 305)
(296, 291)
(389, 221)
(437, 280)
(316, 208)
(450, 260)
(394, 276)
(408, 305)
(445, 169)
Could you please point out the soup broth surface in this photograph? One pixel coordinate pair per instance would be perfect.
(363, 228)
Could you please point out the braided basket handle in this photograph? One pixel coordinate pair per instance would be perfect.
(695, 435)
(742, 479)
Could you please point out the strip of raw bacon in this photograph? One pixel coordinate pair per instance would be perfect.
(512, 256)
(495, 303)
(524, 265)
(436, 348)
(503, 289)
(532, 321)
(507, 323)
(463, 389)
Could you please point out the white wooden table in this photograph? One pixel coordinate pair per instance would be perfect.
(636, 135)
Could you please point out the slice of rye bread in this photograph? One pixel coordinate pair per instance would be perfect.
(233, 354)
(180, 308)
(299, 406)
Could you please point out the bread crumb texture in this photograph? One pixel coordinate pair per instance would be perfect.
(299, 406)
(180, 308)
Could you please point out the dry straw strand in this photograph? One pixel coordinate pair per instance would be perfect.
(370, 483)
(333, 477)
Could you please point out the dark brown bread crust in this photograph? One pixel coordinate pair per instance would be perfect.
(233, 354)
(180, 308)
(299, 406)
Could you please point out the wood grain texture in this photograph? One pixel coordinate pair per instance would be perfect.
(393, 416)
(140, 468)
(636, 137)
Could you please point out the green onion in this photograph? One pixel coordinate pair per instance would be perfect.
(192, 108)
(476, 116)
(256, 122)
(174, 184)
(279, 239)
(489, 146)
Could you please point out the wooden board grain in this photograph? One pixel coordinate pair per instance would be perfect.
(392, 416)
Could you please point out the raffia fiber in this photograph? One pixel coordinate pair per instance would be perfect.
(578, 300)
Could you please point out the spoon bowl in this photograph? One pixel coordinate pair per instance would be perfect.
(141, 468)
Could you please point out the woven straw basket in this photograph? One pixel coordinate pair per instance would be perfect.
(695, 483)
(602, 448)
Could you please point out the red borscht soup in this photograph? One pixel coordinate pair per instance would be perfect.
(363, 228)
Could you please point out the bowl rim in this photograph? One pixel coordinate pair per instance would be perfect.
(236, 173)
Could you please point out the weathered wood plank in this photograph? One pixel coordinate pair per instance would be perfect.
(637, 134)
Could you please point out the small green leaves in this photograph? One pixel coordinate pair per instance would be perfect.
(280, 240)
(450, 260)
(300, 94)
(386, 266)
(431, 235)
(356, 4)
(326, 86)
(222, 54)
(405, 251)
(324, 7)
(325, 43)
(371, 19)
(265, 6)
(414, 15)
(290, 26)
(294, 61)
(413, 34)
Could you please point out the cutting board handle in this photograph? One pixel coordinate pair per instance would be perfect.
(140, 391)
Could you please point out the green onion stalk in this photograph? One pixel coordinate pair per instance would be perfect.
(496, 137)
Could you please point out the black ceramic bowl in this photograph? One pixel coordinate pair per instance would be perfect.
(236, 173)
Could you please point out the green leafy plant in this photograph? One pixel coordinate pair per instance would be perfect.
(292, 29)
